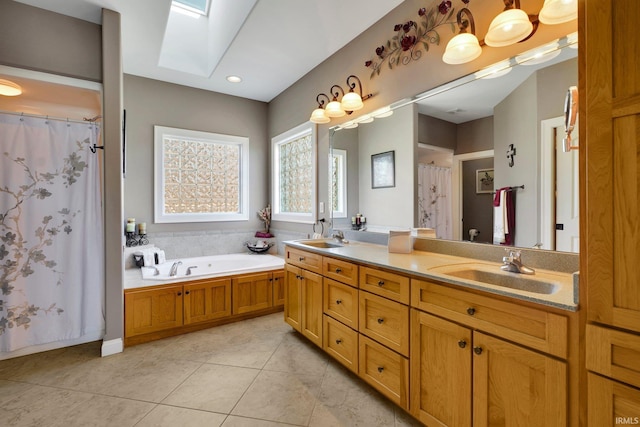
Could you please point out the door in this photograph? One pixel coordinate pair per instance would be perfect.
(311, 326)
(567, 223)
(207, 300)
(153, 310)
(278, 288)
(252, 292)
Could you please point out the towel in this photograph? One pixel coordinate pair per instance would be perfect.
(162, 257)
(500, 223)
(148, 255)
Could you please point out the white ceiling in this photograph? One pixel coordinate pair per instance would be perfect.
(271, 47)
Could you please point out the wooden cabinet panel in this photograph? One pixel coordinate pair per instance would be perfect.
(613, 353)
(385, 370)
(385, 321)
(440, 371)
(152, 310)
(307, 260)
(341, 342)
(528, 326)
(293, 297)
(278, 288)
(383, 283)
(341, 302)
(612, 403)
(207, 300)
(311, 325)
(516, 386)
(252, 292)
(342, 271)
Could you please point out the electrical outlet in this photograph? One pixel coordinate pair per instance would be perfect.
(321, 207)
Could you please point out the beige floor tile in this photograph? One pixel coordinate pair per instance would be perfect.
(10, 390)
(214, 388)
(235, 421)
(298, 355)
(252, 354)
(105, 411)
(171, 416)
(280, 396)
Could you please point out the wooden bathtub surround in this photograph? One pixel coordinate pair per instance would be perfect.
(450, 356)
(161, 311)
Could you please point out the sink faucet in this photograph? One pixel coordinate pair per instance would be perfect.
(513, 263)
(174, 268)
(338, 235)
(189, 269)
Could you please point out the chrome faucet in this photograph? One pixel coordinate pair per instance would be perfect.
(338, 235)
(190, 268)
(174, 268)
(513, 263)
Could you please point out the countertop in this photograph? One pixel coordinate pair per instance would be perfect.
(421, 264)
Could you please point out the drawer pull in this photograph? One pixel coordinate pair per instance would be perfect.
(301, 259)
(381, 283)
(338, 270)
(471, 311)
(338, 301)
(380, 369)
(462, 343)
(380, 320)
(338, 341)
(477, 350)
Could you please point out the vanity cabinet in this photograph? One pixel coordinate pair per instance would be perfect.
(303, 301)
(252, 292)
(152, 310)
(477, 360)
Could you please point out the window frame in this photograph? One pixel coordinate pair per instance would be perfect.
(160, 216)
(276, 142)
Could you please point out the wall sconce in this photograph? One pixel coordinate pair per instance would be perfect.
(511, 26)
(464, 47)
(351, 101)
(8, 88)
(558, 11)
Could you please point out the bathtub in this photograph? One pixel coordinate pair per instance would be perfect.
(213, 266)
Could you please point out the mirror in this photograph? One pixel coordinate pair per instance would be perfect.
(487, 134)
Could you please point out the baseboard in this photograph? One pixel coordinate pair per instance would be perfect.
(112, 347)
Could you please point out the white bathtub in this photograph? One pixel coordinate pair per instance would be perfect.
(213, 266)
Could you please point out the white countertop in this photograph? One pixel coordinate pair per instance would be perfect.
(422, 264)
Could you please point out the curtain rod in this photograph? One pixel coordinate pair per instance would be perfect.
(91, 120)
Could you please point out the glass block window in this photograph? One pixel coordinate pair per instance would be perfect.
(200, 176)
(294, 175)
(338, 182)
(198, 6)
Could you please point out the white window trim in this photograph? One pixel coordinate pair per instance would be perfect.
(341, 155)
(292, 134)
(160, 216)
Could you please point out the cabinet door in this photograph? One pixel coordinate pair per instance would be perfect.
(207, 300)
(152, 310)
(312, 306)
(513, 386)
(612, 403)
(440, 371)
(278, 288)
(252, 292)
(293, 297)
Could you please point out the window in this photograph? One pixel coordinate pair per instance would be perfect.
(338, 182)
(197, 6)
(294, 174)
(200, 176)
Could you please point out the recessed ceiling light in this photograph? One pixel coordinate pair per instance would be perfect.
(234, 79)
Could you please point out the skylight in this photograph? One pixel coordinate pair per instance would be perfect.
(197, 6)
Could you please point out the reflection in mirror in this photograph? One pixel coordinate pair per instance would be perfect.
(451, 142)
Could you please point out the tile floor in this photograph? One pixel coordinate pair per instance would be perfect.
(253, 373)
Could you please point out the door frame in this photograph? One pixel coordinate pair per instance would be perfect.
(547, 181)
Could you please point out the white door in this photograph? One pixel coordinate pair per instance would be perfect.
(567, 196)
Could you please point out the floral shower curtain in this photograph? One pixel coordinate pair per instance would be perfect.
(434, 199)
(51, 235)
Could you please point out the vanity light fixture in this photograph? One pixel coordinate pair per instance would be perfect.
(558, 11)
(9, 88)
(341, 104)
(464, 47)
(539, 55)
(495, 70)
(511, 26)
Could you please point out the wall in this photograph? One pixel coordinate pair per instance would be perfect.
(433, 131)
(475, 135)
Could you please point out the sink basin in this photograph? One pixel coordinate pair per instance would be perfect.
(492, 275)
(321, 244)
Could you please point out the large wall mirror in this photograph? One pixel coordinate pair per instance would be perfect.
(455, 145)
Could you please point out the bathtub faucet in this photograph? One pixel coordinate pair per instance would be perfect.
(189, 269)
(174, 268)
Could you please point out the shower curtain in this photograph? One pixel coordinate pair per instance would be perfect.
(434, 199)
(51, 233)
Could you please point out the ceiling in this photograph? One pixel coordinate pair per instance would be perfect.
(270, 44)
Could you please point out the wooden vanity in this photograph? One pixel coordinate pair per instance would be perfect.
(448, 354)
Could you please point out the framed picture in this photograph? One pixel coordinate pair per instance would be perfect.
(484, 181)
(383, 174)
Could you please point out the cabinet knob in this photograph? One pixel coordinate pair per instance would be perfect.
(477, 350)
(301, 258)
(338, 301)
(338, 341)
(187, 292)
(381, 283)
(298, 277)
(462, 343)
(471, 311)
(380, 320)
(179, 293)
(380, 369)
(338, 270)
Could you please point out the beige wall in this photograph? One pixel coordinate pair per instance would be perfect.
(433, 131)
(476, 135)
(151, 102)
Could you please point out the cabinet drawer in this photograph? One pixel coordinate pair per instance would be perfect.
(531, 327)
(341, 342)
(385, 370)
(307, 260)
(385, 321)
(615, 354)
(611, 403)
(342, 271)
(341, 302)
(388, 285)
